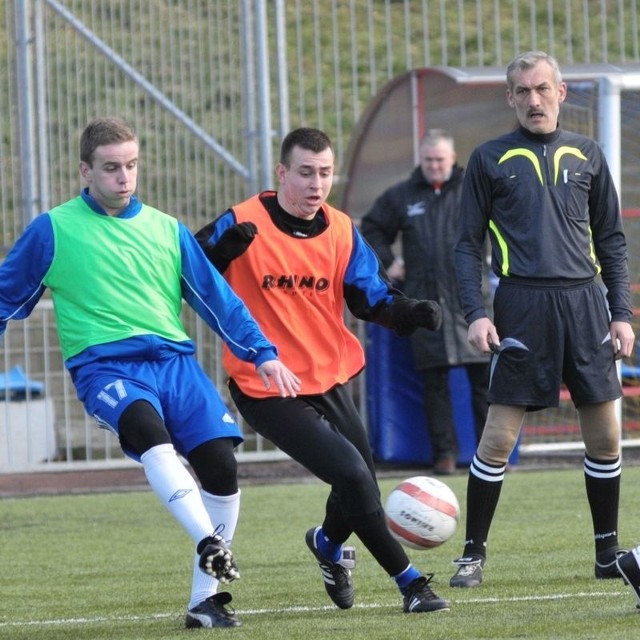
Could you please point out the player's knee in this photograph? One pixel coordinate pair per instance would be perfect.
(600, 431)
(606, 447)
(500, 433)
(215, 466)
(357, 490)
(496, 445)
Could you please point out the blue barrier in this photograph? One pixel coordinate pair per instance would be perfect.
(397, 424)
(631, 371)
(14, 385)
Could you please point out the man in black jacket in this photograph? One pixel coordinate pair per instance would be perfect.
(424, 211)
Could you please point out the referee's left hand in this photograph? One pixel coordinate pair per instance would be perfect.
(622, 339)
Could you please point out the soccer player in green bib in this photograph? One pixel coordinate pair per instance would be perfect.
(118, 270)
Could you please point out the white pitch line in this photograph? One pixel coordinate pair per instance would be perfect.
(307, 609)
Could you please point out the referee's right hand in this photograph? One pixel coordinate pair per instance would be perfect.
(483, 336)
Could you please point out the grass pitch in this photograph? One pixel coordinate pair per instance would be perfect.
(117, 566)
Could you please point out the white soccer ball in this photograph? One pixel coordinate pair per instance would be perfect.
(422, 512)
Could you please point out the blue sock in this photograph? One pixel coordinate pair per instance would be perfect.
(407, 577)
(328, 550)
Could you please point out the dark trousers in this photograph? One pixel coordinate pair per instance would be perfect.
(326, 435)
(439, 410)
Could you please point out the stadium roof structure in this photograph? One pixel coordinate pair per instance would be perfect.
(471, 104)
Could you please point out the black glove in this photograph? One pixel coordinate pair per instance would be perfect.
(407, 315)
(428, 314)
(232, 243)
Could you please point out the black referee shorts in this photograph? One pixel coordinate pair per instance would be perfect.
(549, 335)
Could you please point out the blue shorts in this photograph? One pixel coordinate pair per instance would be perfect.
(177, 387)
(549, 335)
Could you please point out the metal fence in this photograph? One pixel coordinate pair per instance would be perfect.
(211, 86)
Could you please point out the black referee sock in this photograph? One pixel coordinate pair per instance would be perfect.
(602, 481)
(483, 492)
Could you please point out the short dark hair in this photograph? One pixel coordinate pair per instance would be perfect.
(103, 131)
(307, 138)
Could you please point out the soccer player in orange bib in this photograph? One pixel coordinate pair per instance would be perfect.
(296, 261)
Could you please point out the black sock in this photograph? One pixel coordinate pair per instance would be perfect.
(483, 491)
(602, 481)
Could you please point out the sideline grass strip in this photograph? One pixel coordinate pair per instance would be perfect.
(117, 566)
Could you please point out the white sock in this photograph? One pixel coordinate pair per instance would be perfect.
(223, 512)
(177, 490)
